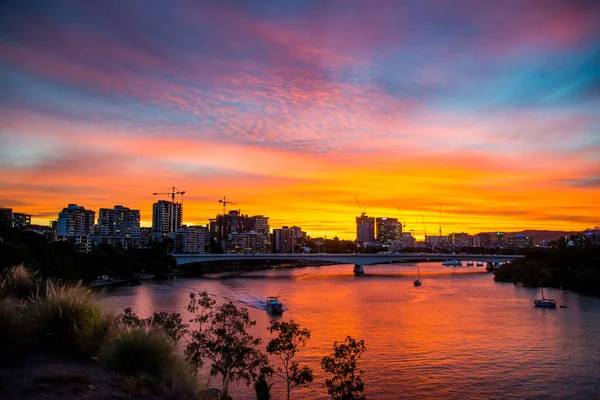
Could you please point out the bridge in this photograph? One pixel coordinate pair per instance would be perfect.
(357, 259)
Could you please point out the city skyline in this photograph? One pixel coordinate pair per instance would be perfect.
(295, 109)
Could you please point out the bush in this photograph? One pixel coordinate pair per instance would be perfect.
(141, 351)
(18, 282)
(12, 328)
(68, 319)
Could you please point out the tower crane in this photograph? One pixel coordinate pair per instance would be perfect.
(363, 211)
(173, 192)
(225, 202)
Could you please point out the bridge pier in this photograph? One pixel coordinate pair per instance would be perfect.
(491, 266)
(358, 269)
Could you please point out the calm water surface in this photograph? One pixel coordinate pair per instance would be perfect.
(459, 336)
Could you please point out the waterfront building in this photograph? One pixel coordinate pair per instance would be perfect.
(167, 217)
(388, 229)
(224, 227)
(147, 237)
(406, 241)
(284, 240)
(460, 239)
(247, 243)
(481, 240)
(436, 241)
(11, 219)
(75, 220)
(191, 239)
(520, 241)
(365, 229)
(75, 224)
(119, 226)
(497, 240)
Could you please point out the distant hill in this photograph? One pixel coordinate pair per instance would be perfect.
(540, 235)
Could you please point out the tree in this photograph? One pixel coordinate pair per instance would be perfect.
(346, 383)
(289, 340)
(222, 337)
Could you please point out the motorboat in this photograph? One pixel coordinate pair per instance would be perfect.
(479, 264)
(470, 264)
(274, 306)
(543, 302)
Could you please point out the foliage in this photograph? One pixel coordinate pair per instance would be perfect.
(288, 341)
(262, 388)
(18, 282)
(62, 260)
(171, 324)
(139, 351)
(346, 383)
(575, 266)
(13, 331)
(221, 336)
(68, 319)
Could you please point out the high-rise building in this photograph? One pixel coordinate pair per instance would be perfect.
(167, 217)
(224, 227)
(11, 219)
(191, 239)
(75, 224)
(284, 240)
(75, 220)
(365, 229)
(118, 226)
(460, 239)
(388, 229)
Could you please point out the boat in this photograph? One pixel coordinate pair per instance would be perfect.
(470, 264)
(417, 281)
(479, 264)
(543, 302)
(452, 263)
(274, 306)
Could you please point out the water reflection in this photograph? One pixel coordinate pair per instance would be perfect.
(460, 335)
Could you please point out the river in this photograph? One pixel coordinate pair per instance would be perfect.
(458, 336)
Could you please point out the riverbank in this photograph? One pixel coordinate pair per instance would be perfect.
(576, 269)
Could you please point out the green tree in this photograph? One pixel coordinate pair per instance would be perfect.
(221, 336)
(346, 383)
(288, 341)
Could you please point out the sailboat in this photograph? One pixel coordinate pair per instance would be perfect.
(543, 302)
(417, 281)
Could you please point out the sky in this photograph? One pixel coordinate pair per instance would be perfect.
(479, 115)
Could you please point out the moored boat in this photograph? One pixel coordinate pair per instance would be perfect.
(417, 282)
(543, 302)
(274, 306)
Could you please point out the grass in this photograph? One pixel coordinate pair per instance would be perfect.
(140, 351)
(13, 329)
(19, 282)
(68, 319)
(152, 363)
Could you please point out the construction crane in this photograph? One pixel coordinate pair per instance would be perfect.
(400, 212)
(173, 192)
(363, 211)
(225, 202)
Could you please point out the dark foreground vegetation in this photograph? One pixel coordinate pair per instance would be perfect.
(62, 327)
(62, 260)
(569, 264)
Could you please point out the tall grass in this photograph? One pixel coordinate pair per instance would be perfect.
(67, 318)
(18, 282)
(13, 329)
(140, 351)
(149, 357)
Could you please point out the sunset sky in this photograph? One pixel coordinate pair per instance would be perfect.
(291, 108)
